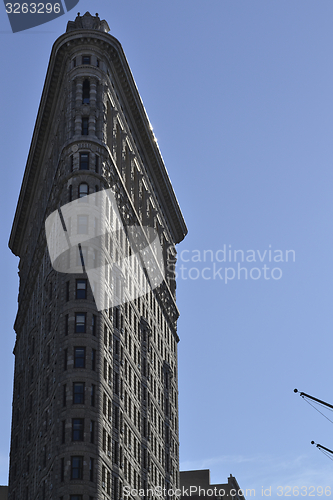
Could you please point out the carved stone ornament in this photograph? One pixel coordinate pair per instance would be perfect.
(88, 22)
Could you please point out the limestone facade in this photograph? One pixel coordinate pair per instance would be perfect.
(95, 403)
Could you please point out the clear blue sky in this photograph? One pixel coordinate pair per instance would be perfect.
(240, 95)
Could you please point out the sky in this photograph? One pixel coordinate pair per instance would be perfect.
(240, 95)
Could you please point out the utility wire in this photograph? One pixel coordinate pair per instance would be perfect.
(325, 453)
(318, 410)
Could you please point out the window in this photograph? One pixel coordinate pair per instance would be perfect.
(86, 92)
(79, 357)
(85, 59)
(94, 324)
(116, 383)
(105, 369)
(92, 395)
(70, 193)
(104, 440)
(77, 469)
(93, 359)
(72, 163)
(81, 289)
(83, 190)
(84, 161)
(82, 224)
(66, 324)
(97, 63)
(77, 429)
(91, 469)
(74, 62)
(92, 431)
(80, 322)
(85, 125)
(78, 393)
(97, 164)
(63, 432)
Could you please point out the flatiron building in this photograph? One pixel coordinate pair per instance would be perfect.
(95, 402)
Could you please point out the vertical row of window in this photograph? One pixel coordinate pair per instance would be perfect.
(83, 190)
(81, 321)
(84, 163)
(79, 394)
(80, 288)
(77, 463)
(84, 60)
(80, 358)
(78, 430)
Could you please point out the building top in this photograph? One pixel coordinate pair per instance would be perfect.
(196, 484)
(87, 22)
(82, 31)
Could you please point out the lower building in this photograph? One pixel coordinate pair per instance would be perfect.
(196, 484)
(3, 492)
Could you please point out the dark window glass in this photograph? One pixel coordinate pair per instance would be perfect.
(72, 163)
(92, 395)
(63, 432)
(81, 289)
(84, 161)
(94, 324)
(77, 468)
(70, 193)
(65, 359)
(83, 190)
(85, 126)
(85, 59)
(74, 62)
(91, 469)
(92, 431)
(78, 393)
(93, 359)
(79, 357)
(66, 324)
(77, 429)
(80, 322)
(97, 63)
(86, 92)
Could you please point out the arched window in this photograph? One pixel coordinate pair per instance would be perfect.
(70, 193)
(83, 189)
(86, 92)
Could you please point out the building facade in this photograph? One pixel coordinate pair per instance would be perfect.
(95, 402)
